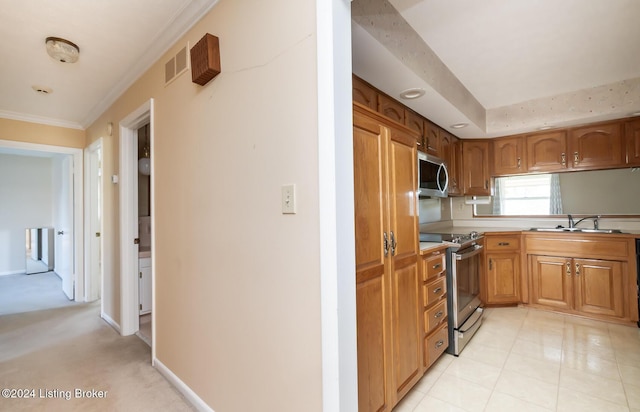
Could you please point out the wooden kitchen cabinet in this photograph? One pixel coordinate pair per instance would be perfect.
(456, 186)
(475, 158)
(551, 282)
(588, 275)
(586, 286)
(390, 108)
(431, 138)
(362, 92)
(632, 137)
(599, 287)
(415, 122)
(547, 152)
(508, 156)
(434, 284)
(388, 286)
(597, 146)
(446, 143)
(503, 269)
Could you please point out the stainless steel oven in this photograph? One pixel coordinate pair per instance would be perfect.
(463, 284)
(464, 260)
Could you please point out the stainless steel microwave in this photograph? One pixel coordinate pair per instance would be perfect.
(433, 178)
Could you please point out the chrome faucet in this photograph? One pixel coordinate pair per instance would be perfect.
(573, 224)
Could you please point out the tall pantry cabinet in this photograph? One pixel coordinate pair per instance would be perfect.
(387, 249)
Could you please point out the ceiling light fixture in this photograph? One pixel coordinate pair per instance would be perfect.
(62, 50)
(545, 127)
(412, 93)
(459, 125)
(634, 113)
(42, 89)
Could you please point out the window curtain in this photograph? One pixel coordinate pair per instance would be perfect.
(555, 200)
(498, 199)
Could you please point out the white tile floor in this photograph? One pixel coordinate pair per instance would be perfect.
(530, 360)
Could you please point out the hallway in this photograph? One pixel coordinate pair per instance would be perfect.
(54, 353)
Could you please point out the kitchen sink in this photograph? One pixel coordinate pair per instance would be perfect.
(574, 229)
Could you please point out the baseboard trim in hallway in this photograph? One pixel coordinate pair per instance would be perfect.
(111, 322)
(182, 387)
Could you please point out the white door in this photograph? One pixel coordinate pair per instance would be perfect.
(63, 222)
(95, 224)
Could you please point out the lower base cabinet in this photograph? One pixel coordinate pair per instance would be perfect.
(434, 290)
(503, 269)
(583, 286)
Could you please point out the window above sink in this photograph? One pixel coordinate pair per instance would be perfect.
(600, 192)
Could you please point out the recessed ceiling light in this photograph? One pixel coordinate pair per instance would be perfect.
(459, 125)
(42, 89)
(413, 93)
(62, 50)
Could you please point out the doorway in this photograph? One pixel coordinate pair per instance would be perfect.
(129, 220)
(68, 211)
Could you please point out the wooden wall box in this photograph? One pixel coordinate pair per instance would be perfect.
(205, 59)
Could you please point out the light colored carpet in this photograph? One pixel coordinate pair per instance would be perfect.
(26, 293)
(69, 348)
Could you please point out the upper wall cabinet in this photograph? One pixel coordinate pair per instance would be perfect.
(432, 138)
(632, 134)
(598, 146)
(414, 122)
(547, 152)
(446, 143)
(362, 92)
(475, 157)
(508, 156)
(390, 108)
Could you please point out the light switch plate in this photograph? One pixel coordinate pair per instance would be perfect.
(288, 199)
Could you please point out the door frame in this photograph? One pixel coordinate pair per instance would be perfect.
(129, 312)
(78, 199)
(93, 284)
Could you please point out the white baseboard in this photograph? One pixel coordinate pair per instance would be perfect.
(111, 322)
(191, 396)
(12, 272)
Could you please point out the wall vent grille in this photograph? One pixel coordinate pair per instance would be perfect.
(176, 65)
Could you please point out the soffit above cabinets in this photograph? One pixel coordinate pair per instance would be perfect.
(504, 66)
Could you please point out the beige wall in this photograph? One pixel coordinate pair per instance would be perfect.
(237, 282)
(20, 131)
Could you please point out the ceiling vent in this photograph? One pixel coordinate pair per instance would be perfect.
(176, 65)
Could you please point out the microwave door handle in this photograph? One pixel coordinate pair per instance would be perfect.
(446, 175)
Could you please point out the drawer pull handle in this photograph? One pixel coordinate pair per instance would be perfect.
(568, 266)
(438, 314)
(437, 290)
(504, 244)
(437, 265)
(439, 343)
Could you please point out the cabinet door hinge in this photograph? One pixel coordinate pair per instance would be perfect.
(140, 275)
(140, 306)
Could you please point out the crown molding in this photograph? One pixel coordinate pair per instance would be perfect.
(31, 118)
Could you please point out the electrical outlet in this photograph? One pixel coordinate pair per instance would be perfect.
(289, 199)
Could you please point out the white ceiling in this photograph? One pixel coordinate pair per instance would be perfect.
(527, 63)
(118, 41)
(502, 66)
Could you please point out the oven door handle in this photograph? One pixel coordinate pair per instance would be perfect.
(476, 249)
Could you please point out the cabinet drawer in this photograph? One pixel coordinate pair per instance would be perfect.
(435, 344)
(435, 315)
(502, 243)
(433, 266)
(434, 290)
